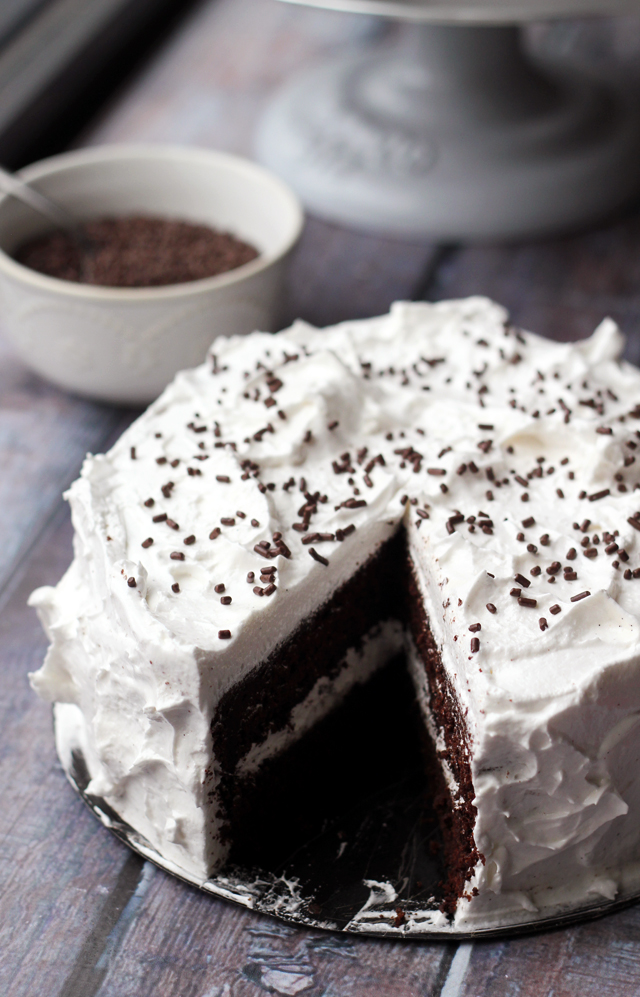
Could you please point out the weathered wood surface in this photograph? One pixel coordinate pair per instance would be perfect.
(80, 916)
(561, 288)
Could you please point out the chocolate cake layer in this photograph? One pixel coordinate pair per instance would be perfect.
(331, 769)
(383, 588)
(457, 816)
(262, 702)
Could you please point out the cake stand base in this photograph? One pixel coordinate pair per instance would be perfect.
(453, 134)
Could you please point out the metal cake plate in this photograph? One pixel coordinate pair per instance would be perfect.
(372, 870)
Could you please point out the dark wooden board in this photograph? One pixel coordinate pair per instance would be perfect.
(561, 288)
(81, 916)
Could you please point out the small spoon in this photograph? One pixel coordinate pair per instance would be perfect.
(60, 217)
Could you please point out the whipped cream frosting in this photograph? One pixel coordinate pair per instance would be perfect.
(258, 482)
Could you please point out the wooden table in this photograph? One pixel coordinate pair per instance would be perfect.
(80, 915)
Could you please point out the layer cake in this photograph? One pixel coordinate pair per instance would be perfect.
(303, 509)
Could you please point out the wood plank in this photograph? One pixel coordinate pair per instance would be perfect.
(44, 436)
(338, 274)
(58, 867)
(599, 959)
(182, 943)
(561, 288)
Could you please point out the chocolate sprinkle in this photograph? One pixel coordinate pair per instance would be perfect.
(555, 609)
(148, 542)
(176, 555)
(219, 588)
(491, 607)
(131, 582)
(175, 587)
(475, 645)
(215, 533)
(318, 557)
(529, 603)
(346, 532)
(581, 595)
(224, 634)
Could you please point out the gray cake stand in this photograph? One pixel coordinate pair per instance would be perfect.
(455, 132)
(371, 873)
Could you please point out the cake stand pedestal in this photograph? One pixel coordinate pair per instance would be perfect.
(453, 133)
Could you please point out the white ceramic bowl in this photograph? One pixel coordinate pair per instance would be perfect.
(124, 345)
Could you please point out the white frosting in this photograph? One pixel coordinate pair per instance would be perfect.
(552, 713)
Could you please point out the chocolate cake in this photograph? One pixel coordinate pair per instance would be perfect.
(306, 511)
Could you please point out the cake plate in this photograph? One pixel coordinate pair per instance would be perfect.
(373, 869)
(454, 131)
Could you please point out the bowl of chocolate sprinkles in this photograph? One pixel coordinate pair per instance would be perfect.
(177, 246)
(136, 251)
